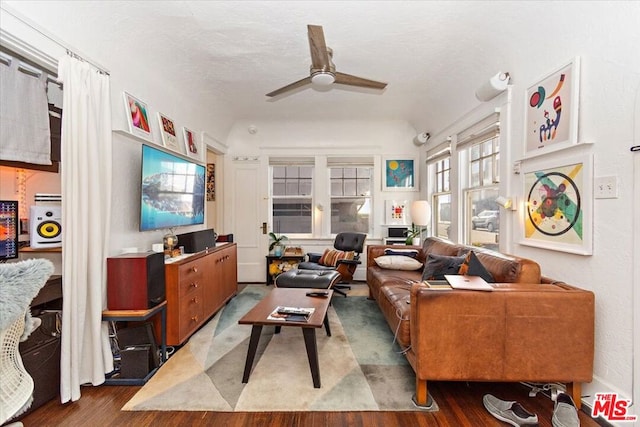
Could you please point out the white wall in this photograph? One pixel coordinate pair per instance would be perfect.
(344, 138)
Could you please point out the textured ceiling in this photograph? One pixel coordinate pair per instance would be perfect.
(432, 54)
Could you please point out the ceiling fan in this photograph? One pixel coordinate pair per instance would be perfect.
(323, 71)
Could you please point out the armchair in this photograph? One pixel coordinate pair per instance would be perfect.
(344, 258)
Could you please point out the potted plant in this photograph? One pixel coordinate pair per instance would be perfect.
(276, 244)
(413, 235)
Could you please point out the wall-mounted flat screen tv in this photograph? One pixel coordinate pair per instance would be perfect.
(173, 191)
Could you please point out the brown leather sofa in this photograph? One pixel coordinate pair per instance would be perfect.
(529, 328)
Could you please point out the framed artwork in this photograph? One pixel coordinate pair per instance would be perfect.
(191, 143)
(211, 182)
(168, 132)
(558, 208)
(137, 116)
(399, 174)
(396, 212)
(551, 111)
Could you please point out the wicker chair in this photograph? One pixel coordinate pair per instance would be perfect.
(19, 283)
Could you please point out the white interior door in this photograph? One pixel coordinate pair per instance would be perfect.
(249, 212)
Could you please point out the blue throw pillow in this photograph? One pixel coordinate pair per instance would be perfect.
(438, 265)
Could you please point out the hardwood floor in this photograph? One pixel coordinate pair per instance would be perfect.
(460, 405)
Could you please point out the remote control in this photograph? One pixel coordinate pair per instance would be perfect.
(318, 294)
(293, 311)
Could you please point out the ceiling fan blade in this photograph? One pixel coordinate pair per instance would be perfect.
(290, 87)
(348, 79)
(318, 47)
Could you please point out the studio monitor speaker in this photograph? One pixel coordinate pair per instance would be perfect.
(135, 281)
(46, 226)
(197, 241)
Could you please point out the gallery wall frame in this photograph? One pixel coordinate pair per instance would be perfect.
(558, 204)
(396, 212)
(399, 174)
(211, 182)
(137, 113)
(551, 110)
(191, 144)
(168, 133)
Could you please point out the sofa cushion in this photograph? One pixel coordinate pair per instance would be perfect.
(438, 265)
(473, 267)
(398, 262)
(393, 304)
(330, 257)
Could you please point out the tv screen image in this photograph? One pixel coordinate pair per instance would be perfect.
(173, 191)
(8, 229)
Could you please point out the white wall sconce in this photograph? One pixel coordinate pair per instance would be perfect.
(507, 203)
(421, 138)
(493, 87)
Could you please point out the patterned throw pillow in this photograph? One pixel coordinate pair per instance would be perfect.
(330, 257)
(438, 265)
(473, 267)
(413, 253)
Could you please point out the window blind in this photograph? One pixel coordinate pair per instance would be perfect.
(439, 152)
(349, 161)
(291, 161)
(486, 128)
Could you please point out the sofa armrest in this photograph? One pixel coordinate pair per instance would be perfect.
(518, 332)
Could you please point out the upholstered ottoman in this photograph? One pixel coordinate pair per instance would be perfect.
(314, 279)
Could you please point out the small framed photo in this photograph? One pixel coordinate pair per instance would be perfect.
(399, 174)
(396, 212)
(168, 132)
(137, 116)
(191, 144)
(211, 182)
(551, 111)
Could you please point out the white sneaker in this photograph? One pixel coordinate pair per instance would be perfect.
(509, 412)
(565, 413)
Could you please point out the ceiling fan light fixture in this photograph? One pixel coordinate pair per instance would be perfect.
(323, 78)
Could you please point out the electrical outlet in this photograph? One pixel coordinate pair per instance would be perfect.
(606, 187)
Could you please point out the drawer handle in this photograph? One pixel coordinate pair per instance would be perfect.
(194, 285)
(194, 319)
(194, 300)
(194, 269)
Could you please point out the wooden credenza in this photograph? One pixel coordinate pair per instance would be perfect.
(197, 287)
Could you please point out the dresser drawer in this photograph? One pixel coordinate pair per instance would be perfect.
(191, 278)
(191, 312)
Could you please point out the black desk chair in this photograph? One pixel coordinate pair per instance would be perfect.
(332, 259)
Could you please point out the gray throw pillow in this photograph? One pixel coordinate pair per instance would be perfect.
(438, 265)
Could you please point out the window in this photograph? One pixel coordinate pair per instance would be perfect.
(480, 151)
(292, 199)
(350, 198)
(439, 163)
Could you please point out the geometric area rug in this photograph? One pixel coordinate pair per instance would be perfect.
(361, 367)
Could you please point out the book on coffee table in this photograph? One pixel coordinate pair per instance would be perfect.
(291, 314)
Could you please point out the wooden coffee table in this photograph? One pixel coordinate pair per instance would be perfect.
(289, 297)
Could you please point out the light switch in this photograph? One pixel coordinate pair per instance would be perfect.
(606, 187)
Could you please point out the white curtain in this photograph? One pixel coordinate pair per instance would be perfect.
(86, 206)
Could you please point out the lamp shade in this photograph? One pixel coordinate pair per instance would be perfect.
(420, 212)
